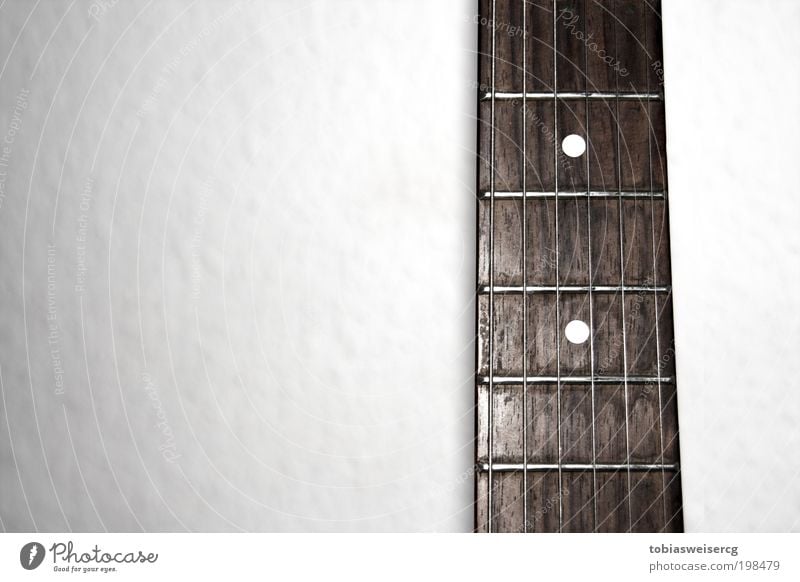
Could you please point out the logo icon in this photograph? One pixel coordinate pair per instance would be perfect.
(31, 555)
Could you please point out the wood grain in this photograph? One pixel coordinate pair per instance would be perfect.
(605, 239)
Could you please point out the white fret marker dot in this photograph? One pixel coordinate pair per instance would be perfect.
(573, 145)
(577, 331)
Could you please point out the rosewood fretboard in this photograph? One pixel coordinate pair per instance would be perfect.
(577, 426)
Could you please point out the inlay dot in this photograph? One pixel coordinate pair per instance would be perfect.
(573, 145)
(577, 331)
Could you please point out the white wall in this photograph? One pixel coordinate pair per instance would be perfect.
(279, 266)
(269, 323)
(733, 96)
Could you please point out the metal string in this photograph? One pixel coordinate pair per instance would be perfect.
(524, 270)
(491, 278)
(591, 276)
(558, 292)
(622, 273)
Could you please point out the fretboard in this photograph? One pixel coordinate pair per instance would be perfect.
(577, 427)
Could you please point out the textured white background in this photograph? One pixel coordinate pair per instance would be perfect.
(733, 97)
(273, 330)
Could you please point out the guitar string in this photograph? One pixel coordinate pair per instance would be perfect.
(589, 148)
(490, 403)
(524, 269)
(558, 292)
(622, 271)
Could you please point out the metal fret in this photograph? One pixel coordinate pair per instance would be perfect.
(541, 95)
(576, 289)
(575, 379)
(507, 467)
(583, 194)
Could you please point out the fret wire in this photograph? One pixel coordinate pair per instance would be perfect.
(655, 278)
(575, 379)
(524, 269)
(591, 276)
(490, 403)
(622, 271)
(558, 310)
(545, 95)
(507, 467)
(510, 289)
(592, 194)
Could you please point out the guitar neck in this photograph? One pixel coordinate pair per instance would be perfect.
(577, 426)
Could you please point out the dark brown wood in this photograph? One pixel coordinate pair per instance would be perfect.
(586, 408)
